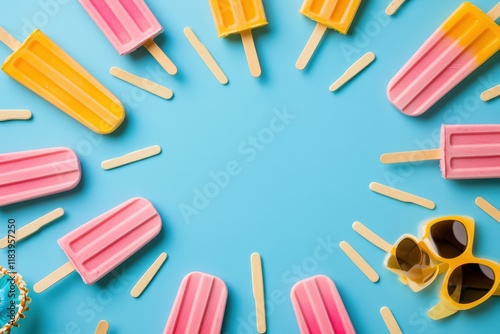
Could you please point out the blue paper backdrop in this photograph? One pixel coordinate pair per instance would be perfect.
(294, 191)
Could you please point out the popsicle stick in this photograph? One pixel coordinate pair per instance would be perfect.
(410, 156)
(359, 262)
(142, 83)
(54, 277)
(251, 53)
(34, 226)
(401, 195)
(11, 115)
(161, 57)
(393, 7)
(258, 291)
(148, 276)
(131, 157)
(491, 93)
(494, 13)
(353, 70)
(102, 327)
(488, 208)
(390, 321)
(311, 46)
(366, 233)
(9, 40)
(205, 55)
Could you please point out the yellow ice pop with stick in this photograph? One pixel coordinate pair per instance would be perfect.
(240, 17)
(334, 14)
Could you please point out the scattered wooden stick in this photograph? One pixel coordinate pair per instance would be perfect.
(353, 70)
(393, 7)
(142, 83)
(258, 291)
(359, 261)
(12, 115)
(102, 327)
(390, 321)
(34, 226)
(491, 93)
(131, 157)
(401, 195)
(148, 276)
(488, 208)
(366, 233)
(205, 55)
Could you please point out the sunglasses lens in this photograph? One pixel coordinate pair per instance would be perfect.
(408, 254)
(449, 238)
(470, 282)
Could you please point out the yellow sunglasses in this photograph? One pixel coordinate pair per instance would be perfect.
(445, 247)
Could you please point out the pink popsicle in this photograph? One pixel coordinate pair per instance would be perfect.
(33, 174)
(466, 40)
(102, 244)
(466, 152)
(319, 308)
(128, 24)
(199, 306)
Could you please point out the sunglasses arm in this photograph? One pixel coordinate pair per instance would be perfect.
(440, 311)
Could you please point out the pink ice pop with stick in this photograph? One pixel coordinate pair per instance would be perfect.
(466, 40)
(102, 244)
(466, 152)
(199, 306)
(319, 308)
(129, 24)
(37, 173)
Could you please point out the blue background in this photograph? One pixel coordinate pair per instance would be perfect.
(293, 202)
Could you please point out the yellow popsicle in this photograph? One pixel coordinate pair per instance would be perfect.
(43, 67)
(240, 16)
(334, 14)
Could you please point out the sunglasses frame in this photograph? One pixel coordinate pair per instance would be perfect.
(447, 306)
(392, 257)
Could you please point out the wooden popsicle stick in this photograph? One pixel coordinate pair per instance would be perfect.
(148, 276)
(251, 53)
(311, 46)
(9, 40)
(161, 57)
(131, 157)
(390, 321)
(353, 70)
(142, 83)
(369, 235)
(205, 55)
(359, 262)
(102, 327)
(491, 93)
(401, 195)
(393, 7)
(494, 13)
(488, 208)
(34, 226)
(11, 115)
(410, 156)
(258, 291)
(54, 277)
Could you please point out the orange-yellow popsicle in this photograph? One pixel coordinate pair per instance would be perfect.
(42, 66)
(334, 14)
(240, 16)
